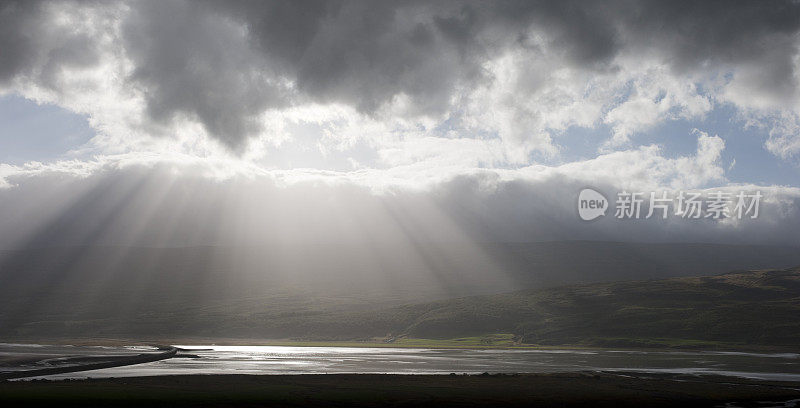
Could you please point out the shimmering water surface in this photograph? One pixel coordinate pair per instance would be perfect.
(320, 360)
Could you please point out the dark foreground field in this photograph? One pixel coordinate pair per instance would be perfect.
(540, 390)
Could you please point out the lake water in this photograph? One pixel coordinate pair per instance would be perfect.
(321, 360)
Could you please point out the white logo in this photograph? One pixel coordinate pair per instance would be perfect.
(591, 204)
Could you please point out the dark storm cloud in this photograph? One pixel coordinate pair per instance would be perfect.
(31, 46)
(189, 61)
(224, 63)
(360, 53)
(364, 53)
(17, 48)
(692, 33)
(759, 35)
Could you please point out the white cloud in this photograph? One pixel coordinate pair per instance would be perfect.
(655, 96)
(645, 168)
(423, 163)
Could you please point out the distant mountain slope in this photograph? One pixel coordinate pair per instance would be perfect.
(333, 292)
(748, 307)
(564, 262)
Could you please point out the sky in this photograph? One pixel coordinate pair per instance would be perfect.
(242, 122)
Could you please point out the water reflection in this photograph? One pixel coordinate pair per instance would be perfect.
(320, 360)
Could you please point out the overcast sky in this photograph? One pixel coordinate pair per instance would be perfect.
(473, 119)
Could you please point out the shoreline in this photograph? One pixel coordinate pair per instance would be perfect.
(84, 360)
(108, 362)
(417, 344)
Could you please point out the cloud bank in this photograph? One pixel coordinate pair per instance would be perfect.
(183, 201)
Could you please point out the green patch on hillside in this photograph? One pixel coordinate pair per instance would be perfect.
(488, 340)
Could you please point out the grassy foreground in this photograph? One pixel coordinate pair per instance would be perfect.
(541, 390)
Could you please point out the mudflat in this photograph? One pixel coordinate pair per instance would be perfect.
(368, 390)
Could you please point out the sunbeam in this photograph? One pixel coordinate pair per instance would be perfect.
(559, 190)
